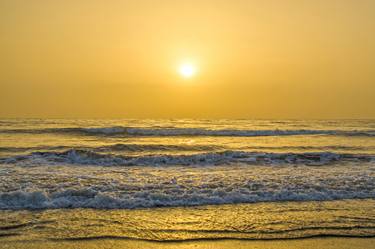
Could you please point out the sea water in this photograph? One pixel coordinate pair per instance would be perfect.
(186, 179)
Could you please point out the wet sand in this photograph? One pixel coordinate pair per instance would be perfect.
(314, 243)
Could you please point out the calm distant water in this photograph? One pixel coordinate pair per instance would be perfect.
(50, 165)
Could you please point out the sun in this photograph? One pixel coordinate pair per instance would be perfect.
(187, 70)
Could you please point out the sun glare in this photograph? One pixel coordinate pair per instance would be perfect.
(187, 70)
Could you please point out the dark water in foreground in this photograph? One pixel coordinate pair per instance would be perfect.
(272, 220)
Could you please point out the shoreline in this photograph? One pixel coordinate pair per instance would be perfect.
(203, 224)
(102, 243)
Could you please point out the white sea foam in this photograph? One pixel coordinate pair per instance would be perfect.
(87, 157)
(136, 187)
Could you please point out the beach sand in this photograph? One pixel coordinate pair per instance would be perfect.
(314, 243)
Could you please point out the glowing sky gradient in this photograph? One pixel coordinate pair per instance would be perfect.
(255, 59)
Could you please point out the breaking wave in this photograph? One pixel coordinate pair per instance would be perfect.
(87, 157)
(118, 147)
(87, 197)
(135, 131)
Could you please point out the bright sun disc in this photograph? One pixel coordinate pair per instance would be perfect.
(187, 70)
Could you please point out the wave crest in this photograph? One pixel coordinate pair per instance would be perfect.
(87, 157)
(91, 198)
(135, 131)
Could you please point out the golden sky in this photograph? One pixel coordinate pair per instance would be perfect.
(254, 59)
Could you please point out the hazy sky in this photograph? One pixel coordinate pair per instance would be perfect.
(254, 59)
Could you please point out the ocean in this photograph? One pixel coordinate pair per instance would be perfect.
(184, 179)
